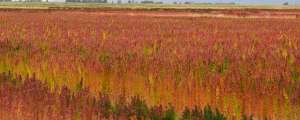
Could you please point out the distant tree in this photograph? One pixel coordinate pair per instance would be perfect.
(286, 3)
(119, 2)
(5, 0)
(88, 1)
(225, 3)
(187, 2)
(33, 0)
(147, 2)
(159, 2)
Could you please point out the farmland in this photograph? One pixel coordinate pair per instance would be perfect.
(97, 64)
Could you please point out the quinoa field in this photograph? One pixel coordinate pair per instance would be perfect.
(149, 65)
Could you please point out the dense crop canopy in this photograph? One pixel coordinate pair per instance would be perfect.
(239, 65)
